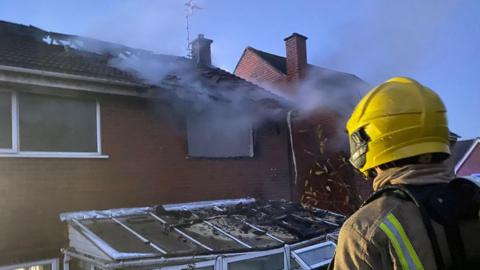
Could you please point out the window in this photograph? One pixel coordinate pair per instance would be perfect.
(51, 264)
(206, 265)
(272, 262)
(43, 125)
(267, 260)
(216, 136)
(316, 256)
(5, 121)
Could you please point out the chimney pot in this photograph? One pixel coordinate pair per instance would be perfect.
(296, 51)
(201, 52)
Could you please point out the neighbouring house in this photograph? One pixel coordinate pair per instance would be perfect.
(465, 159)
(86, 124)
(324, 98)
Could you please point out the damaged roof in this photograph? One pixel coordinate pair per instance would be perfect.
(33, 48)
(199, 228)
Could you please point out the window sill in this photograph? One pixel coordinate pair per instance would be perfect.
(53, 155)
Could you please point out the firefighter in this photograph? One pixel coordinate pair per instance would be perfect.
(418, 218)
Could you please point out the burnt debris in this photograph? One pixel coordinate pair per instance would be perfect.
(166, 231)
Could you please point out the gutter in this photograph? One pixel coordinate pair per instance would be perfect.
(69, 76)
(32, 79)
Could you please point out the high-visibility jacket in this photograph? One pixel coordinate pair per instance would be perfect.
(389, 232)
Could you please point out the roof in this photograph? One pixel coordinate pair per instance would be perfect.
(278, 62)
(328, 75)
(33, 48)
(460, 152)
(193, 229)
(343, 90)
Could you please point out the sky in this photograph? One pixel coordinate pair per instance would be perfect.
(436, 42)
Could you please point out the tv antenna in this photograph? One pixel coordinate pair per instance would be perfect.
(190, 7)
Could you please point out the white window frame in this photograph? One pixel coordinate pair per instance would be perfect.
(295, 254)
(186, 266)
(253, 255)
(53, 262)
(15, 150)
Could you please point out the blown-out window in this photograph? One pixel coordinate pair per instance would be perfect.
(218, 136)
(44, 125)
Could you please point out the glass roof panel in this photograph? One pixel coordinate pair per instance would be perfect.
(161, 235)
(117, 237)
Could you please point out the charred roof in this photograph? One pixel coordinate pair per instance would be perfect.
(196, 229)
(33, 48)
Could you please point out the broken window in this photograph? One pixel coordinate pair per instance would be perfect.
(5, 120)
(43, 125)
(57, 124)
(219, 136)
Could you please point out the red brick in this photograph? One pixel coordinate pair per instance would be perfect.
(147, 166)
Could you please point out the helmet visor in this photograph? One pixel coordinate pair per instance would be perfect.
(358, 148)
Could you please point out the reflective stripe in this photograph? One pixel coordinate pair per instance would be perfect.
(396, 246)
(411, 250)
(402, 245)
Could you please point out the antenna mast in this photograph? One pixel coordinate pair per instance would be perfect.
(190, 7)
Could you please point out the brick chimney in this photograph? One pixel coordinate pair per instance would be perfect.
(296, 47)
(201, 54)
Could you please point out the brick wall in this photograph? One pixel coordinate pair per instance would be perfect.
(472, 164)
(254, 69)
(147, 165)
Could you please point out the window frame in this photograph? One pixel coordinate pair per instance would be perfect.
(15, 151)
(53, 262)
(196, 265)
(251, 146)
(296, 255)
(14, 109)
(253, 255)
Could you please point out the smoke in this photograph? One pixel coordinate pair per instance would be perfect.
(323, 100)
(328, 89)
(220, 111)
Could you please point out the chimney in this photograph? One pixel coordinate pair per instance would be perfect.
(296, 47)
(201, 54)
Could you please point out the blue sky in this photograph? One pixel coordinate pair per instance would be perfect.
(436, 42)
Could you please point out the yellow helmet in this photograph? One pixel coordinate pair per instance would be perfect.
(396, 120)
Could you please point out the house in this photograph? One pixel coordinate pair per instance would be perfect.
(465, 158)
(228, 234)
(86, 124)
(324, 99)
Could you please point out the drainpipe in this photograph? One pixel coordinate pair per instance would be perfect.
(294, 159)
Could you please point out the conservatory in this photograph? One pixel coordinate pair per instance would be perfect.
(228, 235)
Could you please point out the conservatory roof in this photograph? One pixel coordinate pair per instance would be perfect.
(196, 229)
